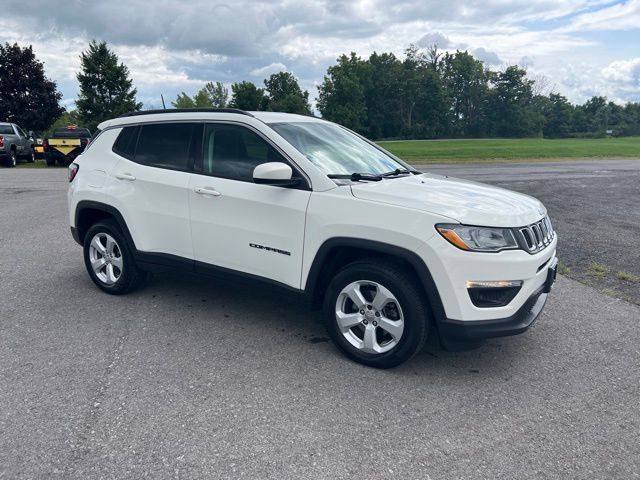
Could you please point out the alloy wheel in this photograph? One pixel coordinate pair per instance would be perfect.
(106, 258)
(369, 317)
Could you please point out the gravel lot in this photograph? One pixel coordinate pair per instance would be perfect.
(595, 207)
(190, 378)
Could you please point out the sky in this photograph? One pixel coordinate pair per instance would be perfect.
(579, 48)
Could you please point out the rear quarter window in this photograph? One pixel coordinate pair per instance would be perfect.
(125, 144)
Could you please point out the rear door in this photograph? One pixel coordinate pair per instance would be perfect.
(240, 225)
(151, 182)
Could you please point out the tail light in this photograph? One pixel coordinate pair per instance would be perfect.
(73, 171)
(1, 141)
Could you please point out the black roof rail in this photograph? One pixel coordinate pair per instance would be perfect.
(186, 110)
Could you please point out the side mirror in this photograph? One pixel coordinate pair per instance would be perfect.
(274, 173)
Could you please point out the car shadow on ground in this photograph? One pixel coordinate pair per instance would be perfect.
(259, 312)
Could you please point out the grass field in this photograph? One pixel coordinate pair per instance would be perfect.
(485, 150)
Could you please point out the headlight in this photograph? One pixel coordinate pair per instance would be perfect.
(478, 239)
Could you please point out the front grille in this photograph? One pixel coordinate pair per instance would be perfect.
(537, 236)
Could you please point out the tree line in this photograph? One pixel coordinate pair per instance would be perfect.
(450, 95)
(426, 94)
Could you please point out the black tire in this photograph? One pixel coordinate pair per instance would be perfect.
(51, 162)
(131, 277)
(13, 158)
(412, 302)
(32, 156)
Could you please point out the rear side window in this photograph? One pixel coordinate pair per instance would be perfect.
(125, 144)
(6, 130)
(166, 145)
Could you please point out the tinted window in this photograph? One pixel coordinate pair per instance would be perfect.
(125, 144)
(71, 133)
(165, 145)
(233, 152)
(6, 130)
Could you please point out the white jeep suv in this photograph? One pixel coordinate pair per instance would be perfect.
(390, 254)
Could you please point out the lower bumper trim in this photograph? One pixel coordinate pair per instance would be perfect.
(460, 331)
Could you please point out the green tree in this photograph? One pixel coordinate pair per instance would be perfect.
(106, 90)
(285, 94)
(342, 94)
(558, 116)
(212, 95)
(27, 97)
(246, 96)
(183, 101)
(218, 94)
(466, 83)
(510, 105)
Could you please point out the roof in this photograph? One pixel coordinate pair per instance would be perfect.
(204, 114)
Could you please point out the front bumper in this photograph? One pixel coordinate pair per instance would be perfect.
(460, 331)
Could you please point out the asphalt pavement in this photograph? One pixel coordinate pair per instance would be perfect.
(194, 378)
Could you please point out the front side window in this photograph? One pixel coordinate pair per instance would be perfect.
(233, 152)
(336, 150)
(165, 145)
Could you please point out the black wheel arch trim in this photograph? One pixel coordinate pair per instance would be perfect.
(412, 258)
(114, 212)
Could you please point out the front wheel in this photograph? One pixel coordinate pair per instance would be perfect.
(109, 260)
(376, 313)
(32, 156)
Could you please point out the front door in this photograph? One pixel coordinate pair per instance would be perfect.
(240, 225)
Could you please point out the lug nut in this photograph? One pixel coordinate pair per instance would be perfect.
(368, 307)
(377, 314)
(361, 312)
(375, 324)
(365, 321)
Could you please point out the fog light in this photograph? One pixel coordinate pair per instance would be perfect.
(488, 294)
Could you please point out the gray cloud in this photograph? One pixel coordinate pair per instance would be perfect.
(434, 38)
(489, 58)
(172, 46)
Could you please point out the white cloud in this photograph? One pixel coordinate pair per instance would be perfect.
(621, 16)
(269, 69)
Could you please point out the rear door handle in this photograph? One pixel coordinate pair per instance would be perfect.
(207, 191)
(125, 176)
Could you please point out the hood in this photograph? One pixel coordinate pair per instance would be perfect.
(465, 201)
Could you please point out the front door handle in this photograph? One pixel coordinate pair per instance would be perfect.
(125, 176)
(207, 191)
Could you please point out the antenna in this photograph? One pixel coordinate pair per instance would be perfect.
(163, 105)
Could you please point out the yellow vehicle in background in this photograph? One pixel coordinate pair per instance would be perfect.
(65, 145)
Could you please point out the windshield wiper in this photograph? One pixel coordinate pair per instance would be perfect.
(356, 177)
(396, 172)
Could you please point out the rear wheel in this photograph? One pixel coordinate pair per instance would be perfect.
(49, 159)
(376, 313)
(32, 156)
(109, 259)
(13, 158)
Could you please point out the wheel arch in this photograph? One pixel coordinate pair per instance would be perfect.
(337, 252)
(89, 212)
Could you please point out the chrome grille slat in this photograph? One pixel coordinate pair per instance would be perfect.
(537, 236)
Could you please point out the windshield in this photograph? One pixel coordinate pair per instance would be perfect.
(336, 150)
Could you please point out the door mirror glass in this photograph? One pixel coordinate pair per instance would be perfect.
(273, 173)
